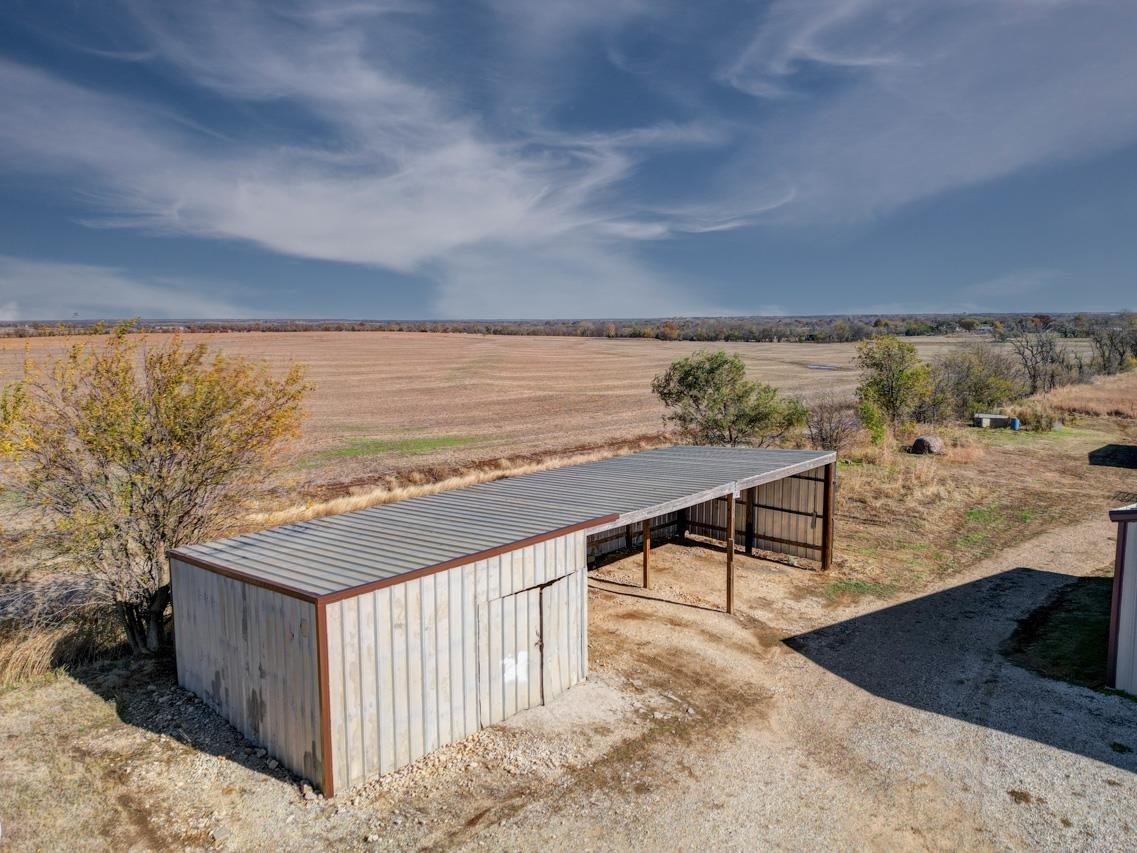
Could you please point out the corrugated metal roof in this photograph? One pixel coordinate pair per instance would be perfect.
(340, 552)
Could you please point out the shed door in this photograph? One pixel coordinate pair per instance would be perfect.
(509, 655)
(562, 654)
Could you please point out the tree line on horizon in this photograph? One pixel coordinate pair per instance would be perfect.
(789, 329)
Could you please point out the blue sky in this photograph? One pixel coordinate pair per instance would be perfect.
(511, 158)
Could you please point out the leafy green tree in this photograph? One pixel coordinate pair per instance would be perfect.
(973, 379)
(129, 450)
(893, 378)
(711, 401)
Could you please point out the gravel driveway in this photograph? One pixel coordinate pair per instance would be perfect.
(899, 727)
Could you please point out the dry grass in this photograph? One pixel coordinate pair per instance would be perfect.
(1107, 396)
(904, 520)
(30, 653)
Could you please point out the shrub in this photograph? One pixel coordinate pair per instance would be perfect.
(711, 401)
(1036, 417)
(831, 423)
(871, 418)
(893, 378)
(128, 452)
(974, 379)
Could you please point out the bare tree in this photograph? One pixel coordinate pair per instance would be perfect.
(1045, 364)
(1114, 342)
(831, 422)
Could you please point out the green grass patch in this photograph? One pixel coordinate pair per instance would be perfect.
(1005, 437)
(858, 588)
(1068, 637)
(414, 446)
(972, 538)
(981, 514)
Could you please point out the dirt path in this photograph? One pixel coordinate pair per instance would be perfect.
(798, 724)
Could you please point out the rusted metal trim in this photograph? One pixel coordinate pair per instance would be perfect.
(353, 591)
(730, 553)
(619, 534)
(806, 513)
(717, 528)
(790, 542)
(647, 553)
(751, 505)
(464, 560)
(1115, 605)
(328, 783)
(244, 577)
(758, 537)
(827, 521)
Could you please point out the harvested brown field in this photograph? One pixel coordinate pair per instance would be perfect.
(386, 401)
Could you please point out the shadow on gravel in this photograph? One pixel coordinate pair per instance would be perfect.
(943, 653)
(146, 695)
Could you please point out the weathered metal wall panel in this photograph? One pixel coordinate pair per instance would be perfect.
(250, 654)
(790, 510)
(509, 655)
(424, 663)
(562, 613)
(1126, 673)
(663, 527)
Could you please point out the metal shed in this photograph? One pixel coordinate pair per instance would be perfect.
(1122, 666)
(351, 645)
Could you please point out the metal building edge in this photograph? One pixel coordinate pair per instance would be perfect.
(1122, 516)
(321, 602)
(1115, 601)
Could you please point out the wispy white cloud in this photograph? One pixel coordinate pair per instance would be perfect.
(794, 35)
(860, 107)
(45, 290)
(924, 97)
(399, 177)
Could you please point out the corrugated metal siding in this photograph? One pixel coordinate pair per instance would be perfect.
(250, 654)
(424, 663)
(663, 527)
(509, 655)
(340, 552)
(563, 635)
(1126, 673)
(789, 509)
